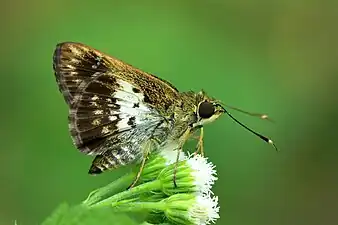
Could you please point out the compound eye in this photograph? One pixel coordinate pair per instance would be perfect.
(206, 110)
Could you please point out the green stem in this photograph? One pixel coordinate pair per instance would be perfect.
(146, 187)
(140, 206)
(108, 190)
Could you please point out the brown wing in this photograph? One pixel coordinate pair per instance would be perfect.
(76, 64)
(109, 99)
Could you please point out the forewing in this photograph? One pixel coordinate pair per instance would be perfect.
(75, 64)
(107, 98)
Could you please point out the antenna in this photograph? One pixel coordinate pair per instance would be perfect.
(262, 116)
(267, 140)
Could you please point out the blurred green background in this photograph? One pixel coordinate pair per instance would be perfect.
(275, 57)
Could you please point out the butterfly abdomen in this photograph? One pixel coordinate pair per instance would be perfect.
(111, 160)
(102, 163)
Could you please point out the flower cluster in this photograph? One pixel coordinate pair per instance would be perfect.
(190, 201)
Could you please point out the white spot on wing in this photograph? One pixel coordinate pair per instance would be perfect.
(110, 161)
(105, 130)
(112, 118)
(74, 60)
(127, 92)
(127, 98)
(123, 124)
(70, 66)
(131, 104)
(96, 122)
(95, 98)
(96, 74)
(98, 112)
(93, 104)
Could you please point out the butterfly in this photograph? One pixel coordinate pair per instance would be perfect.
(120, 114)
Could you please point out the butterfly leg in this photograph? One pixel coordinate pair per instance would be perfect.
(199, 147)
(144, 159)
(138, 174)
(183, 139)
(176, 164)
(195, 137)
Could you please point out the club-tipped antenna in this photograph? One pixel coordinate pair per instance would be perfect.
(267, 140)
(260, 115)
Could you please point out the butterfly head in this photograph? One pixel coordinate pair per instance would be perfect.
(207, 109)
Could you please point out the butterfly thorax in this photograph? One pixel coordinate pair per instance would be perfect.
(183, 114)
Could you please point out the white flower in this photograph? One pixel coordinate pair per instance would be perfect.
(180, 209)
(194, 174)
(204, 173)
(205, 210)
(191, 209)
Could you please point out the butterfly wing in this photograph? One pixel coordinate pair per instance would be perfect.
(114, 107)
(75, 64)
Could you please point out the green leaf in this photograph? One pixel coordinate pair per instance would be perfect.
(66, 215)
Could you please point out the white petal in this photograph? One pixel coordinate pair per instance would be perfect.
(204, 173)
(206, 210)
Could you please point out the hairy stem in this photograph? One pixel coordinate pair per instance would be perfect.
(143, 188)
(108, 190)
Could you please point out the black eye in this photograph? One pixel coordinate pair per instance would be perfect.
(206, 110)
